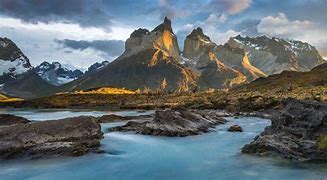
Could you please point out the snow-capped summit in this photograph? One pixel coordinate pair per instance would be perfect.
(12, 61)
(57, 74)
(96, 66)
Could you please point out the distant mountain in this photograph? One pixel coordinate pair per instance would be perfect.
(17, 76)
(274, 55)
(96, 66)
(57, 74)
(198, 54)
(150, 58)
(13, 62)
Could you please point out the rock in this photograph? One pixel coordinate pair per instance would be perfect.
(175, 123)
(296, 132)
(8, 119)
(69, 137)
(116, 118)
(235, 128)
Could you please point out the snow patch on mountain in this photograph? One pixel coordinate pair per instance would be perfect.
(14, 67)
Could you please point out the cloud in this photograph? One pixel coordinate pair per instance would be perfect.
(248, 27)
(110, 48)
(230, 6)
(280, 25)
(86, 13)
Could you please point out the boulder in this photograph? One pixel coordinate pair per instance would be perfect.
(116, 118)
(235, 128)
(175, 123)
(71, 137)
(8, 119)
(298, 132)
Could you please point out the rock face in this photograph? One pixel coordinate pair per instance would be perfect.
(13, 62)
(71, 137)
(298, 132)
(57, 74)
(175, 123)
(235, 128)
(8, 119)
(198, 54)
(116, 118)
(96, 66)
(274, 55)
(149, 59)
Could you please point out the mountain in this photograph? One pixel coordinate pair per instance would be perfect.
(17, 76)
(150, 58)
(219, 66)
(96, 66)
(13, 62)
(57, 74)
(274, 55)
(28, 85)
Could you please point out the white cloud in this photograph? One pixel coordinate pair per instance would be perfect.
(37, 40)
(230, 6)
(280, 25)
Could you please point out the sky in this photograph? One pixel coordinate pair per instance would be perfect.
(81, 32)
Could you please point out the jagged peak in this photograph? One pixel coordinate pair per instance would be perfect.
(166, 25)
(139, 33)
(198, 33)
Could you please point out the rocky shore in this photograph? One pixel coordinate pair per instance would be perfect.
(298, 131)
(180, 122)
(68, 137)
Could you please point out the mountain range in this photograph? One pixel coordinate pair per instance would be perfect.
(153, 57)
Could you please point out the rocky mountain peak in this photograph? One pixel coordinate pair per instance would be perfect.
(139, 33)
(198, 34)
(166, 25)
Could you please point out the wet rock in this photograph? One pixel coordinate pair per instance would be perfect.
(116, 118)
(235, 128)
(8, 119)
(70, 137)
(175, 123)
(296, 132)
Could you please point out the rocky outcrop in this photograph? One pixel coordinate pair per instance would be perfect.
(70, 137)
(116, 118)
(235, 128)
(8, 119)
(298, 132)
(175, 123)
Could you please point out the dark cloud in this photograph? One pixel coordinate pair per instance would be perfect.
(84, 12)
(111, 48)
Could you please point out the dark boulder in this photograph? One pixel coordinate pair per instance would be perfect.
(70, 137)
(116, 118)
(235, 128)
(298, 132)
(175, 123)
(8, 119)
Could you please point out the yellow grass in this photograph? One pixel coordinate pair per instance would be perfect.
(106, 90)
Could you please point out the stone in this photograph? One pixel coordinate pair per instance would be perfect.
(66, 137)
(295, 132)
(235, 128)
(175, 123)
(8, 119)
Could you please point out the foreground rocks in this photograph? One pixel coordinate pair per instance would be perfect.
(175, 123)
(8, 119)
(298, 131)
(235, 128)
(70, 137)
(116, 118)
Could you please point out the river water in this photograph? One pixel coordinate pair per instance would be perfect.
(214, 155)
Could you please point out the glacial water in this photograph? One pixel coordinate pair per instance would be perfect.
(215, 155)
